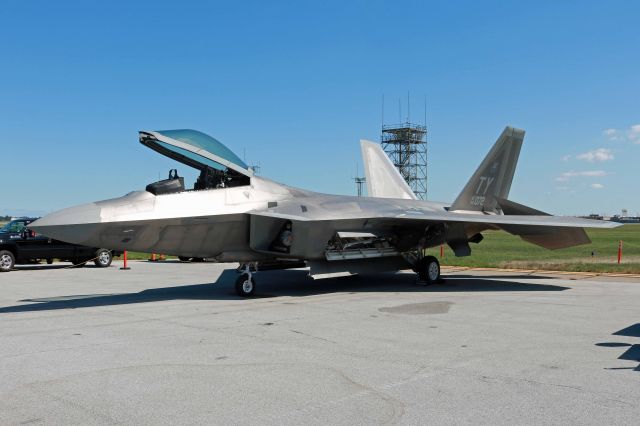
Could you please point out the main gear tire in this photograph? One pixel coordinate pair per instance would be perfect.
(428, 269)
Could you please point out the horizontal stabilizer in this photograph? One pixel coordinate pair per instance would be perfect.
(550, 237)
(383, 179)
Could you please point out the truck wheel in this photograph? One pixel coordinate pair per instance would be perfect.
(49, 261)
(103, 258)
(7, 260)
(184, 258)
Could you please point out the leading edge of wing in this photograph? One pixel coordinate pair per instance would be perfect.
(426, 216)
(532, 220)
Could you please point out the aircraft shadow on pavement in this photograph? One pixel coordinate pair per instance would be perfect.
(631, 331)
(633, 351)
(294, 283)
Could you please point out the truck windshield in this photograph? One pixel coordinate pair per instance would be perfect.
(14, 226)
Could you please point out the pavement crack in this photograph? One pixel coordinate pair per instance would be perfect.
(551, 384)
(313, 337)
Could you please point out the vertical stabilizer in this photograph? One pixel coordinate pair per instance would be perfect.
(493, 178)
(383, 179)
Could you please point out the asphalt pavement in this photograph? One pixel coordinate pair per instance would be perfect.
(171, 343)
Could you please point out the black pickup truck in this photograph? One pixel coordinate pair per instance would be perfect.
(19, 244)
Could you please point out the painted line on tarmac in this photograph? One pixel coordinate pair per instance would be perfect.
(588, 274)
(611, 274)
(544, 271)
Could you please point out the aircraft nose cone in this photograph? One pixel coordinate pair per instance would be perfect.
(74, 225)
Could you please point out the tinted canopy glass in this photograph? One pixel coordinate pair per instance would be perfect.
(194, 148)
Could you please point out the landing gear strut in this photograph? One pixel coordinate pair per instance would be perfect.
(428, 269)
(245, 283)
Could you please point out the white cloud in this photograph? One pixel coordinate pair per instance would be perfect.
(596, 155)
(564, 177)
(597, 185)
(611, 134)
(634, 133)
(566, 158)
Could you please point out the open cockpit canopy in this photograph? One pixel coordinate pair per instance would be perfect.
(219, 166)
(195, 149)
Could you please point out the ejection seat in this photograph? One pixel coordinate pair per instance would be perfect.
(171, 185)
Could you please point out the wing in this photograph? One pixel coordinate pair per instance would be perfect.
(412, 217)
(400, 216)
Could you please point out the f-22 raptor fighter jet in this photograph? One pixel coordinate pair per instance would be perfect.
(232, 215)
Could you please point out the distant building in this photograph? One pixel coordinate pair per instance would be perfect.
(594, 216)
(614, 218)
(625, 219)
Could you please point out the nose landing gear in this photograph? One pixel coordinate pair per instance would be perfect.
(245, 283)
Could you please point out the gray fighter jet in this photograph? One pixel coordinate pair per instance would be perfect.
(232, 215)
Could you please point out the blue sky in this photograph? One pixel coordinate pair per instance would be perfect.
(295, 85)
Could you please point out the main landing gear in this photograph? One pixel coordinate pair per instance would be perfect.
(428, 270)
(245, 283)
